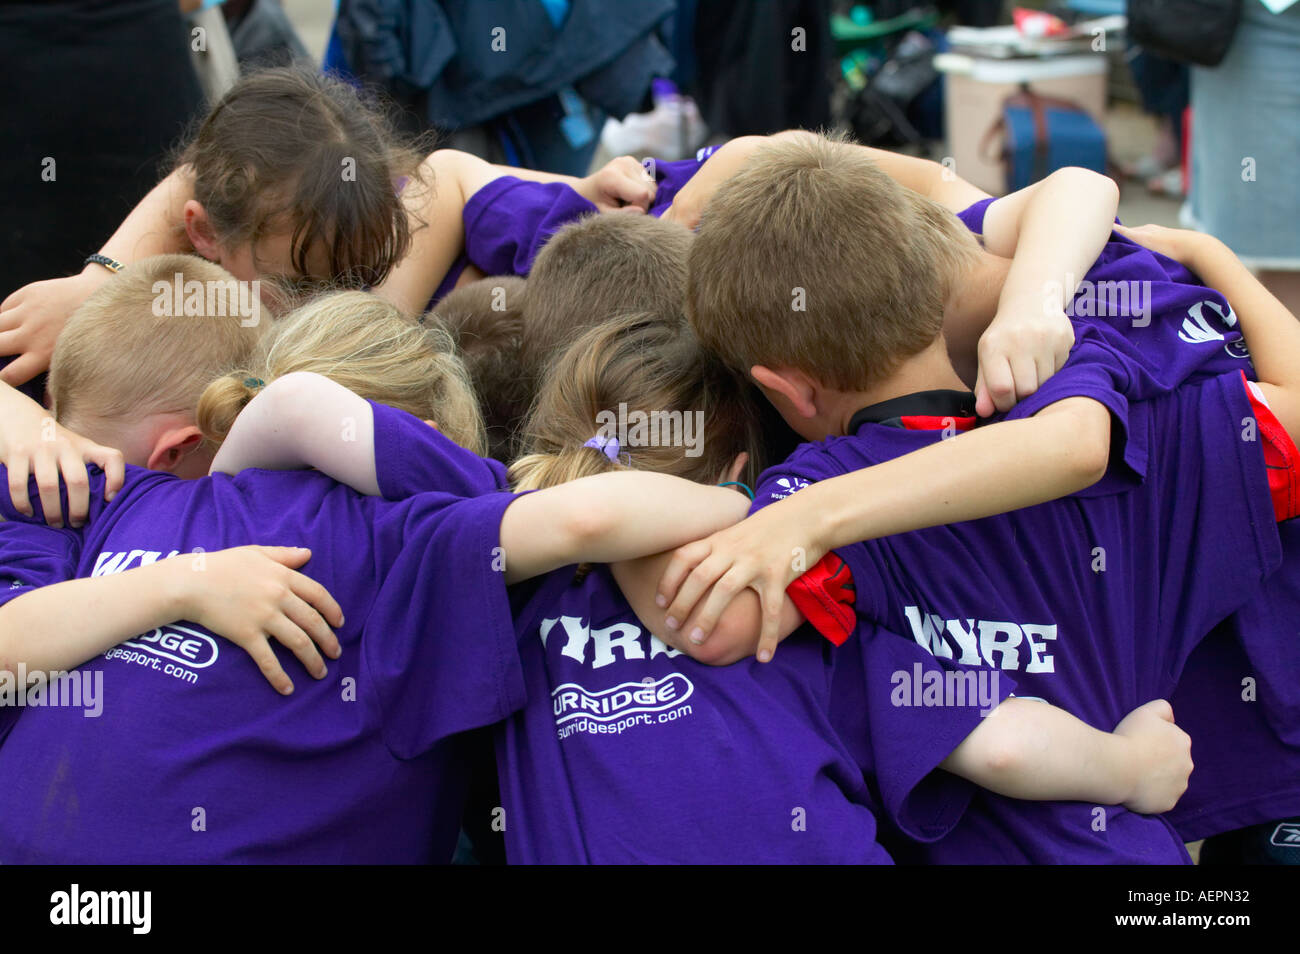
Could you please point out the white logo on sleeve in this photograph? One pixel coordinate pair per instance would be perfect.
(785, 486)
(1197, 328)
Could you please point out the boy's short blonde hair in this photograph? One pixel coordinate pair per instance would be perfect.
(813, 258)
(148, 341)
(597, 268)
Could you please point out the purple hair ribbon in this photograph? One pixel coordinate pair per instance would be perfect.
(606, 445)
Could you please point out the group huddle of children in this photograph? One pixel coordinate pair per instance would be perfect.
(1014, 495)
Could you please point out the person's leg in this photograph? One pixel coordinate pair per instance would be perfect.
(95, 95)
(1245, 137)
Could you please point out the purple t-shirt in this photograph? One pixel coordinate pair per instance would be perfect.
(630, 752)
(195, 757)
(414, 457)
(509, 220)
(1184, 331)
(1092, 602)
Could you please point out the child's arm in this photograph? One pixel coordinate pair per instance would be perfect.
(1032, 750)
(32, 317)
(735, 635)
(305, 420)
(1030, 336)
(1271, 332)
(610, 517)
(1053, 232)
(923, 176)
(435, 202)
(248, 595)
(990, 470)
(33, 444)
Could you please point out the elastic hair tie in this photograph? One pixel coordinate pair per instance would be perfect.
(735, 483)
(606, 445)
(254, 384)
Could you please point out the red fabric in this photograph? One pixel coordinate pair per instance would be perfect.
(825, 596)
(929, 422)
(1280, 459)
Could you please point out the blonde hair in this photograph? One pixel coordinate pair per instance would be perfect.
(127, 352)
(365, 344)
(813, 258)
(639, 362)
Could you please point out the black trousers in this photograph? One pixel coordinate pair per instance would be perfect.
(93, 96)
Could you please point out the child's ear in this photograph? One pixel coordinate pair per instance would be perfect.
(433, 424)
(173, 447)
(792, 385)
(198, 229)
(737, 468)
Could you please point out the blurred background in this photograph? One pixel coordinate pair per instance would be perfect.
(1192, 105)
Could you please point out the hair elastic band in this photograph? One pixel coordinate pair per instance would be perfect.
(606, 445)
(735, 483)
(254, 384)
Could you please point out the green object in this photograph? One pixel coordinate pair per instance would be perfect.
(851, 34)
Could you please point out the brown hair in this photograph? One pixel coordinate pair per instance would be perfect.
(629, 365)
(365, 344)
(149, 340)
(812, 258)
(596, 268)
(292, 148)
(486, 321)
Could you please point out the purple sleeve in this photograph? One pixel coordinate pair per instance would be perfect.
(440, 655)
(973, 215)
(30, 557)
(902, 712)
(411, 457)
(1095, 370)
(671, 176)
(509, 220)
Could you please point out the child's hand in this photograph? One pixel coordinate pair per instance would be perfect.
(32, 317)
(32, 443)
(1163, 757)
(1021, 348)
(1184, 246)
(620, 184)
(765, 552)
(251, 595)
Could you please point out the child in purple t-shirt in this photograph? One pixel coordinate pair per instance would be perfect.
(213, 764)
(629, 751)
(778, 352)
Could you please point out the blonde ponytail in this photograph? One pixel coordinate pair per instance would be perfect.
(362, 342)
(221, 402)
